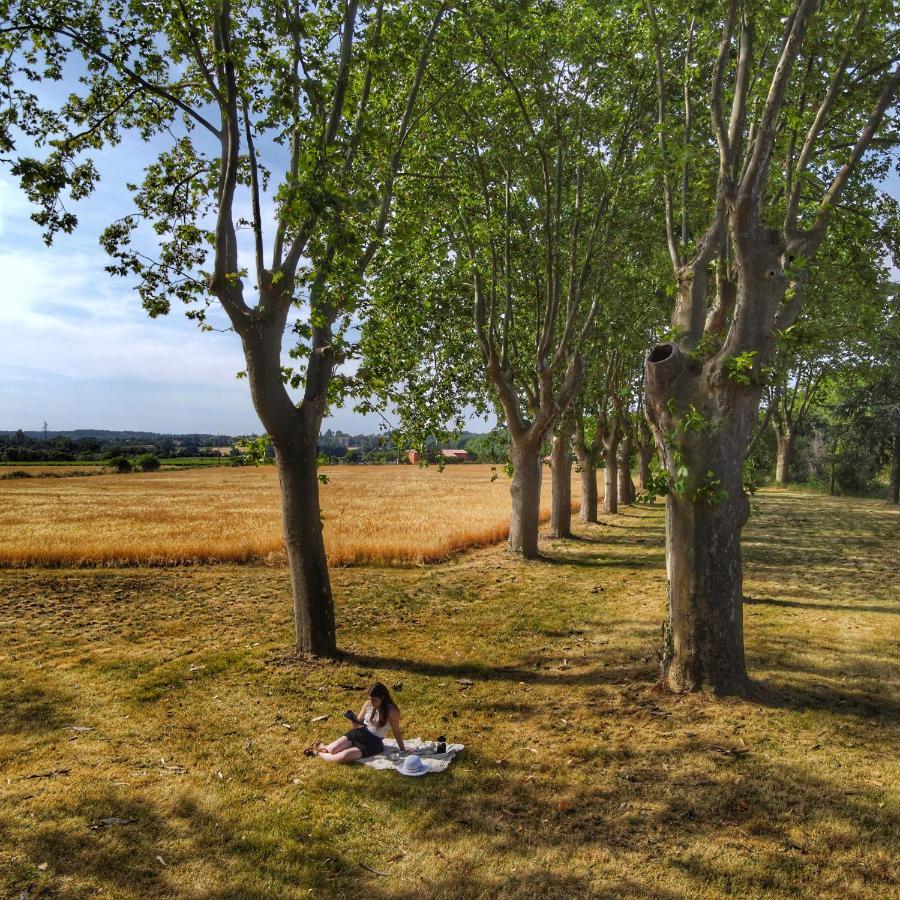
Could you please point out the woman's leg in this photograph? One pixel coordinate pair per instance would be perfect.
(342, 743)
(343, 756)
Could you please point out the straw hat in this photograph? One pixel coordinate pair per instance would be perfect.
(413, 765)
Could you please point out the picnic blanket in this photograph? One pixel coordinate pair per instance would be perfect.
(392, 757)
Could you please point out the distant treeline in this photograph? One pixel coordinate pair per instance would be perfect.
(88, 445)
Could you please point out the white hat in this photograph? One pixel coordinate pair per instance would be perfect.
(413, 765)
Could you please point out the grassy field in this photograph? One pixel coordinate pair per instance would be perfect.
(382, 514)
(163, 697)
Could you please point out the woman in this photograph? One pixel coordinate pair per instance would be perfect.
(377, 713)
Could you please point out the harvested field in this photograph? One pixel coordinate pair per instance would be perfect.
(162, 699)
(379, 514)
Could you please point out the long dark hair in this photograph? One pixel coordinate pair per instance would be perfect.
(387, 701)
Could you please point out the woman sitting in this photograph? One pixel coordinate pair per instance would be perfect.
(367, 739)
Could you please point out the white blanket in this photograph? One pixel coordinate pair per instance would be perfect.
(392, 757)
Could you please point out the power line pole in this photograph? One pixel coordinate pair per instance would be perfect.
(45, 431)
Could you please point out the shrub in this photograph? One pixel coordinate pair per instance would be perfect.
(147, 463)
(120, 464)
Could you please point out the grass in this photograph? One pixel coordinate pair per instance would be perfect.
(579, 778)
(382, 514)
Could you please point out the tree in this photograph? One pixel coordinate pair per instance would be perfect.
(328, 92)
(147, 462)
(810, 88)
(526, 199)
(870, 409)
(844, 309)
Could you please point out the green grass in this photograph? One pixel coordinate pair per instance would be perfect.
(580, 779)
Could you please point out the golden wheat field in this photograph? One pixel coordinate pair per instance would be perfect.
(382, 514)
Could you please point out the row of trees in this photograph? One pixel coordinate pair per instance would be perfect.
(491, 204)
(18, 446)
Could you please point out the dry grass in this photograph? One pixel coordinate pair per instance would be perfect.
(384, 514)
(579, 779)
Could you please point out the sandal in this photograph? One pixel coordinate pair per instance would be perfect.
(313, 749)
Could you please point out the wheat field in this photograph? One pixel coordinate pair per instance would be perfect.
(373, 514)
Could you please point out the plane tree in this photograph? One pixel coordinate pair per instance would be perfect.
(518, 182)
(796, 100)
(846, 297)
(279, 129)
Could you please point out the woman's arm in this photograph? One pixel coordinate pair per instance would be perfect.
(362, 713)
(394, 722)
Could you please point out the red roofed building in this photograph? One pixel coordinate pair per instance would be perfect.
(449, 455)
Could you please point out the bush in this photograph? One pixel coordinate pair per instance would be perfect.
(147, 463)
(120, 464)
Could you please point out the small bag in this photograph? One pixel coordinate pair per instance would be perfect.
(441, 746)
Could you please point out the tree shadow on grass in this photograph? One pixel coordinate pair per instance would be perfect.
(824, 697)
(527, 670)
(461, 883)
(809, 604)
(245, 858)
(31, 708)
(749, 805)
(649, 560)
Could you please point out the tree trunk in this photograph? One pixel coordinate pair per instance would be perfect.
(703, 553)
(705, 512)
(785, 439)
(894, 487)
(645, 454)
(588, 511)
(303, 539)
(526, 497)
(294, 434)
(610, 480)
(561, 468)
(645, 451)
(625, 484)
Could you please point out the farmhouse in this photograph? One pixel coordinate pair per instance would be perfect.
(455, 455)
(449, 455)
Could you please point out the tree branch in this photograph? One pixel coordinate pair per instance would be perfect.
(664, 156)
(757, 167)
(790, 216)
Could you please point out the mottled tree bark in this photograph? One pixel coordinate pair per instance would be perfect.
(294, 432)
(645, 451)
(894, 487)
(525, 492)
(561, 494)
(610, 430)
(587, 463)
(705, 513)
(626, 485)
(785, 442)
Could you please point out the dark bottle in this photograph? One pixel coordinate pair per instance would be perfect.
(441, 746)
